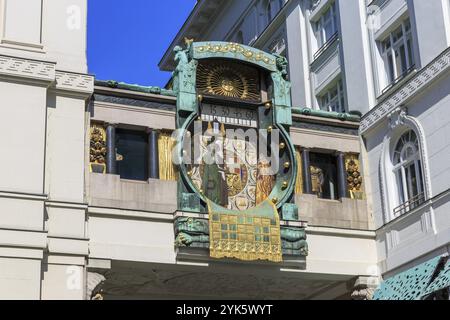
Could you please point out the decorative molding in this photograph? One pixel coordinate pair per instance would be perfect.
(363, 293)
(23, 196)
(122, 102)
(68, 81)
(217, 49)
(382, 182)
(417, 83)
(397, 118)
(278, 45)
(95, 282)
(325, 128)
(26, 68)
(248, 53)
(420, 132)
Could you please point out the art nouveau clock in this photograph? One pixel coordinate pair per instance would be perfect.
(234, 153)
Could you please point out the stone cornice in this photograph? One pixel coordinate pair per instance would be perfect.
(27, 69)
(74, 82)
(410, 89)
(200, 17)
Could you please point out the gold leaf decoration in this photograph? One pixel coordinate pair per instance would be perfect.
(228, 79)
(354, 177)
(237, 49)
(265, 182)
(299, 179)
(167, 170)
(97, 148)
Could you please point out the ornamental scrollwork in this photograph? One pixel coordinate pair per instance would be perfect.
(237, 49)
(354, 177)
(397, 117)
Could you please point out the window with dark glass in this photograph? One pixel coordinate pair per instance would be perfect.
(132, 154)
(324, 176)
(397, 52)
(408, 173)
(326, 27)
(334, 99)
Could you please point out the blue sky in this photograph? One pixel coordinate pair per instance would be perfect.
(126, 39)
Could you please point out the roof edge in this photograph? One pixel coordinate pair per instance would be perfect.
(134, 87)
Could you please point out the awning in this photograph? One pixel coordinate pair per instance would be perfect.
(417, 283)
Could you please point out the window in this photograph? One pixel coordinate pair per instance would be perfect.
(397, 52)
(240, 37)
(132, 154)
(272, 9)
(408, 173)
(324, 176)
(334, 99)
(326, 27)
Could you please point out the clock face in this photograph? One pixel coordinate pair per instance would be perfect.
(238, 181)
(233, 183)
(231, 103)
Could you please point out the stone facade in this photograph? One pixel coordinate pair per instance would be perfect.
(70, 230)
(392, 99)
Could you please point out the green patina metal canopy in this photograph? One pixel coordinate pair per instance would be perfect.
(417, 283)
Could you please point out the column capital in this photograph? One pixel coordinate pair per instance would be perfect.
(109, 124)
(150, 130)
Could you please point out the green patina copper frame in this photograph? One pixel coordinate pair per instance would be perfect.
(191, 232)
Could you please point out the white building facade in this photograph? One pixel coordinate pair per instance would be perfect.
(44, 93)
(73, 229)
(386, 60)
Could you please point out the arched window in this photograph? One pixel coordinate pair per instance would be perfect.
(407, 168)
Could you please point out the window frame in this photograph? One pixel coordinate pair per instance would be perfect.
(392, 45)
(129, 139)
(319, 25)
(404, 165)
(339, 98)
(329, 168)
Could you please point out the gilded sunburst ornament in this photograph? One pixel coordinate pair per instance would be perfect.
(224, 79)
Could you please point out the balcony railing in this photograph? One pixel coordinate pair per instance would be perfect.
(326, 45)
(399, 79)
(409, 205)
